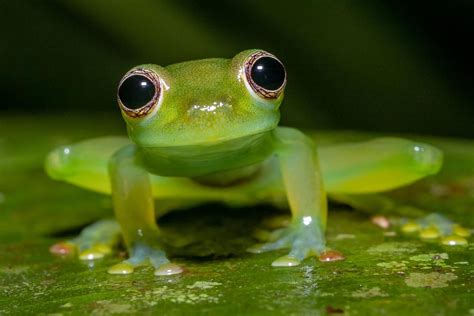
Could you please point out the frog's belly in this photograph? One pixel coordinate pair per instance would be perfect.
(261, 186)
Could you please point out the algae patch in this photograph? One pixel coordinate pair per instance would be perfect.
(182, 296)
(203, 285)
(107, 307)
(427, 261)
(393, 265)
(423, 261)
(430, 257)
(344, 236)
(432, 279)
(367, 293)
(394, 247)
(14, 270)
(196, 293)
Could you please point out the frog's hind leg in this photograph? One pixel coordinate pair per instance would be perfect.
(94, 242)
(356, 173)
(377, 165)
(85, 163)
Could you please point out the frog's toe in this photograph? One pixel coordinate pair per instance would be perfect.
(94, 242)
(162, 270)
(437, 227)
(121, 268)
(302, 247)
(461, 231)
(454, 240)
(97, 251)
(97, 240)
(168, 269)
(286, 261)
(290, 261)
(430, 232)
(410, 227)
(142, 255)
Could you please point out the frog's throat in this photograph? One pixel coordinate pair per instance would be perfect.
(199, 160)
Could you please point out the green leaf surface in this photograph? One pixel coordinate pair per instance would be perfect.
(385, 272)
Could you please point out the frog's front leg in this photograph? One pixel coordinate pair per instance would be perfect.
(305, 236)
(134, 209)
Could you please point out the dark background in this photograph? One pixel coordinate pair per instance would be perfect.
(380, 66)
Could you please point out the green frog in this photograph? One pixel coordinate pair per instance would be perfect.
(207, 131)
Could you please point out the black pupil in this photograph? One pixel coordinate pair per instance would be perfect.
(268, 73)
(136, 91)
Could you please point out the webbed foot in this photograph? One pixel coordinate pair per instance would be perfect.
(141, 255)
(94, 242)
(304, 239)
(437, 227)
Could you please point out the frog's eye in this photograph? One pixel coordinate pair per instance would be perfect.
(265, 74)
(138, 92)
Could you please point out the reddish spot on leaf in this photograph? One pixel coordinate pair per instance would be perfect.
(331, 255)
(381, 221)
(334, 310)
(62, 249)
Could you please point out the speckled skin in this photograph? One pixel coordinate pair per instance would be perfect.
(211, 137)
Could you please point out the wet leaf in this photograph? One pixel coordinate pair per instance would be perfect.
(385, 273)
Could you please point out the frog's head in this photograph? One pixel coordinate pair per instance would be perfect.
(202, 102)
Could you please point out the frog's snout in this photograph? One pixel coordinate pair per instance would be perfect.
(57, 161)
(429, 159)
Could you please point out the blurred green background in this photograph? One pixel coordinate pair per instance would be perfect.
(382, 66)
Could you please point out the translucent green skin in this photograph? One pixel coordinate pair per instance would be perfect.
(211, 138)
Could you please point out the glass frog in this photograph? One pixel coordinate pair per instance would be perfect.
(206, 131)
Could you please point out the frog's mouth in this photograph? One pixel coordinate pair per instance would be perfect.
(201, 128)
